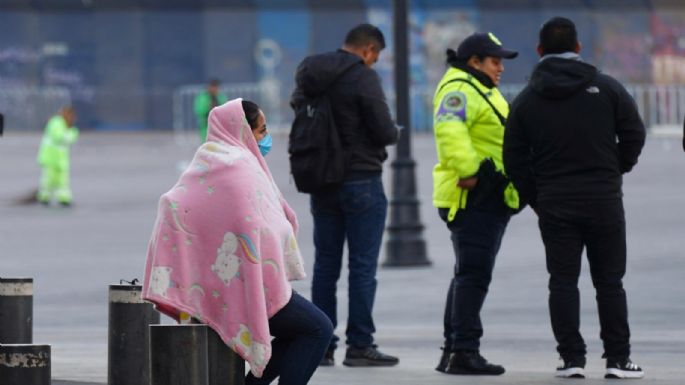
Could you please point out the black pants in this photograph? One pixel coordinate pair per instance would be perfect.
(598, 226)
(476, 236)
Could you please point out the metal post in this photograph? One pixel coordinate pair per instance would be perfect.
(129, 321)
(178, 355)
(16, 310)
(25, 364)
(226, 367)
(405, 246)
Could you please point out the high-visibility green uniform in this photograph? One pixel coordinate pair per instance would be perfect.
(467, 131)
(202, 105)
(53, 158)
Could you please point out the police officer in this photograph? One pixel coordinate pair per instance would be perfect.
(470, 190)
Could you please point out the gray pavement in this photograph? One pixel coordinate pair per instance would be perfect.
(74, 254)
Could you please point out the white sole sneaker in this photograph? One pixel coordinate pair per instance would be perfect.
(619, 373)
(570, 373)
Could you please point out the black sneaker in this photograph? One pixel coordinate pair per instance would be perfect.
(471, 362)
(368, 356)
(623, 368)
(328, 358)
(444, 360)
(571, 368)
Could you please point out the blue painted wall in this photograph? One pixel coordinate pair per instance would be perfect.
(122, 61)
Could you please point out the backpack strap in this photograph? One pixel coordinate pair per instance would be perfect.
(501, 117)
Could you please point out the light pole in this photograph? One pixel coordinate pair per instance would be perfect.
(405, 245)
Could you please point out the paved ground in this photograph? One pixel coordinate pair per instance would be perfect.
(74, 254)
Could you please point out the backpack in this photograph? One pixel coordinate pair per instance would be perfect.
(317, 157)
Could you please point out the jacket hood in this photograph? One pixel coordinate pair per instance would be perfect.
(316, 73)
(558, 78)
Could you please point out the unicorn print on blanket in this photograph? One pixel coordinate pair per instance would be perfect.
(227, 264)
(160, 280)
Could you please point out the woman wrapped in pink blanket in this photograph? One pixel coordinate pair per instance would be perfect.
(223, 250)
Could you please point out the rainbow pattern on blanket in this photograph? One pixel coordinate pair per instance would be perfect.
(248, 247)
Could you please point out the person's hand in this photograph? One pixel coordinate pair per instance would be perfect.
(468, 183)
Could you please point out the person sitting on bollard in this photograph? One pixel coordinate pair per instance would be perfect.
(223, 250)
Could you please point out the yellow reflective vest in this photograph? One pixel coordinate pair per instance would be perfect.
(54, 148)
(467, 131)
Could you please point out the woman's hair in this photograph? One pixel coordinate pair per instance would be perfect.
(452, 57)
(251, 110)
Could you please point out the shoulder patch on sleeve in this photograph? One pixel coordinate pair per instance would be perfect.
(452, 106)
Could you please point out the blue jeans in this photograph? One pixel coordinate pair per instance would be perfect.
(476, 238)
(301, 336)
(356, 211)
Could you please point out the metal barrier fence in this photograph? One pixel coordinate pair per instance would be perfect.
(658, 105)
(29, 108)
(422, 104)
(266, 95)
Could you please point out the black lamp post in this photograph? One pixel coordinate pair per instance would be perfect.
(405, 245)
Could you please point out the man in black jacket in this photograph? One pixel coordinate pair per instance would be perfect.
(571, 135)
(355, 210)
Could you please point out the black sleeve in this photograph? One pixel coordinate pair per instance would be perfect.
(296, 98)
(374, 110)
(516, 154)
(630, 130)
(298, 94)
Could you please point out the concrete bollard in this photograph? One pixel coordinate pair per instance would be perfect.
(22, 364)
(226, 367)
(129, 342)
(178, 355)
(16, 310)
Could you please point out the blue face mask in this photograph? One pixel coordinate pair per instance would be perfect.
(265, 144)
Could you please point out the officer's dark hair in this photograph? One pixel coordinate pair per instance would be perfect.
(558, 35)
(453, 60)
(214, 82)
(251, 110)
(365, 34)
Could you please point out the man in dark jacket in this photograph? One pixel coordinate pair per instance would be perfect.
(571, 135)
(355, 210)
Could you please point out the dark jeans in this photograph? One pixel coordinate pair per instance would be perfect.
(356, 212)
(476, 237)
(598, 226)
(301, 335)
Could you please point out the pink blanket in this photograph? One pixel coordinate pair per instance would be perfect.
(223, 247)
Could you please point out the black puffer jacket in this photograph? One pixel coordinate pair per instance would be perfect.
(359, 107)
(571, 134)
